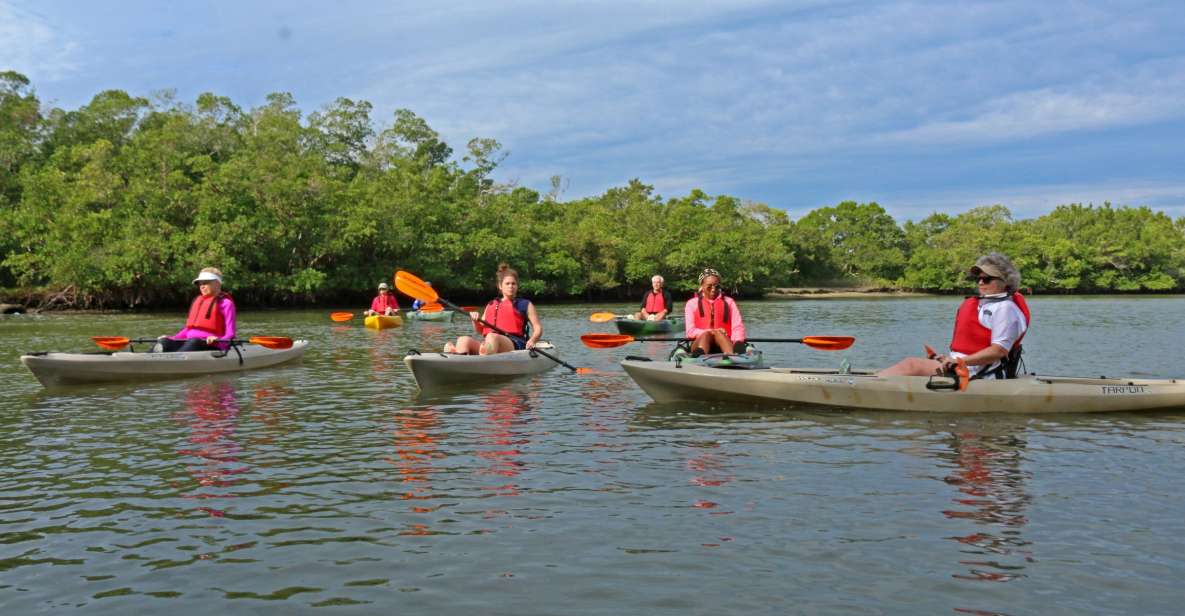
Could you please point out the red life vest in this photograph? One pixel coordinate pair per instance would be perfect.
(513, 320)
(384, 302)
(720, 314)
(205, 315)
(655, 302)
(970, 335)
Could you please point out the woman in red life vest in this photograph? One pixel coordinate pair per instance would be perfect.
(510, 313)
(987, 326)
(712, 319)
(384, 303)
(656, 303)
(211, 318)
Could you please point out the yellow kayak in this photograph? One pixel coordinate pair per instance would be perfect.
(383, 322)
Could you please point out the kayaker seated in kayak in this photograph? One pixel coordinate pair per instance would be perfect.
(419, 303)
(211, 318)
(656, 303)
(384, 303)
(510, 313)
(988, 326)
(713, 320)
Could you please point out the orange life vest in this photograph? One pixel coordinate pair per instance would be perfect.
(513, 320)
(719, 314)
(970, 335)
(205, 315)
(655, 302)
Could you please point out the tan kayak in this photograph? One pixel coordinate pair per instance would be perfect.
(54, 369)
(665, 382)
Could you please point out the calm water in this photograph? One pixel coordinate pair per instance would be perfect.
(332, 484)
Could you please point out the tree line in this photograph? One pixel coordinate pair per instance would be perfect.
(119, 202)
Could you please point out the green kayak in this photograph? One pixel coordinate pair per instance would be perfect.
(642, 327)
(439, 315)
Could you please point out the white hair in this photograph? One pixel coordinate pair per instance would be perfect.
(658, 278)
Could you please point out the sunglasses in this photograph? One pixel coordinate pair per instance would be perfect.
(985, 279)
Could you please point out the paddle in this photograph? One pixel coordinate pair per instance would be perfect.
(341, 316)
(115, 343)
(414, 287)
(604, 317)
(822, 343)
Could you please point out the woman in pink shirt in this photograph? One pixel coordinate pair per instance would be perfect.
(713, 320)
(211, 321)
(384, 303)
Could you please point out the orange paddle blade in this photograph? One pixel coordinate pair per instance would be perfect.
(341, 316)
(411, 286)
(111, 343)
(601, 317)
(605, 341)
(272, 342)
(431, 308)
(930, 353)
(829, 343)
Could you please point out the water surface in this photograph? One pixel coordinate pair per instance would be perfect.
(333, 484)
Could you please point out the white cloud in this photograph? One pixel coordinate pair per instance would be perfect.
(30, 46)
(1033, 201)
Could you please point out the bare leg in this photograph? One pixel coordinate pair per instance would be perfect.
(722, 342)
(465, 345)
(912, 366)
(496, 343)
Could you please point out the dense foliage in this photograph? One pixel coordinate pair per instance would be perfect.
(119, 202)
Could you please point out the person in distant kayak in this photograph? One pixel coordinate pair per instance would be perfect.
(988, 326)
(384, 303)
(211, 321)
(712, 319)
(656, 303)
(419, 303)
(510, 313)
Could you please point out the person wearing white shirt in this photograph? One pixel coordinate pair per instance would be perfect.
(988, 326)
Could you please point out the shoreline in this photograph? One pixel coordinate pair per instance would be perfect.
(842, 293)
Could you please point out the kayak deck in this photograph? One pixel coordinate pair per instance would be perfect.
(1030, 394)
(433, 370)
(54, 369)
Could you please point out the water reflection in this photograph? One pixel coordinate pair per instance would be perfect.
(211, 413)
(415, 432)
(502, 438)
(990, 482)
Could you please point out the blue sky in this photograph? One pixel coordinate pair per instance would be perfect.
(920, 106)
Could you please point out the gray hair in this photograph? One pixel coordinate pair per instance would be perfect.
(998, 265)
(658, 278)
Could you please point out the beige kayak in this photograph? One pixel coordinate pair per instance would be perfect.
(432, 370)
(666, 382)
(54, 369)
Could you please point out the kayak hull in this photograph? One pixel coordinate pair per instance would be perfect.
(642, 327)
(55, 369)
(435, 370)
(383, 321)
(440, 315)
(792, 387)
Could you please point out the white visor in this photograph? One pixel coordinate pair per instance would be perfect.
(207, 276)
